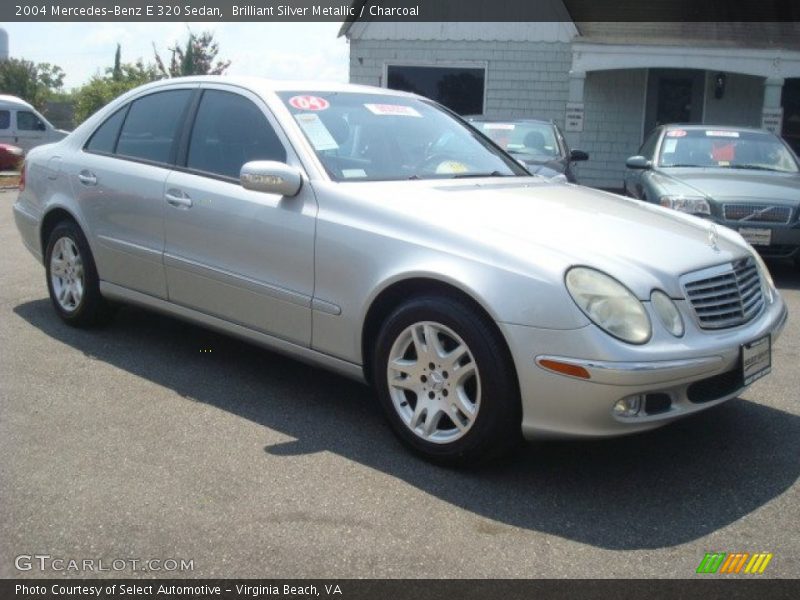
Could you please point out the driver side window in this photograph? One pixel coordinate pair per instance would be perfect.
(648, 149)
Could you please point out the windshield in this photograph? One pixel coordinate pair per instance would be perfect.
(725, 149)
(374, 137)
(533, 140)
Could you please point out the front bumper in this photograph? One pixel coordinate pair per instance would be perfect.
(695, 372)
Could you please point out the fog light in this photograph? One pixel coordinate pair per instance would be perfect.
(629, 407)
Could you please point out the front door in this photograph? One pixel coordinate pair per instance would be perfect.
(237, 254)
(674, 96)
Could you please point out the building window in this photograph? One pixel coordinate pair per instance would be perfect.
(458, 88)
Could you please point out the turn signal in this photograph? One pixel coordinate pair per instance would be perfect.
(564, 368)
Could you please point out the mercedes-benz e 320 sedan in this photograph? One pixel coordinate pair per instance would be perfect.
(374, 233)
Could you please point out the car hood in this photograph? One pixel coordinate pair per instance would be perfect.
(732, 184)
(534, 225)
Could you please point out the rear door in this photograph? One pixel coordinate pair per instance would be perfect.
(119, 181)
(237, 254)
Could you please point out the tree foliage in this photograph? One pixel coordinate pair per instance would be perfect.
(196, 57)
(102, 89)
(33, 82)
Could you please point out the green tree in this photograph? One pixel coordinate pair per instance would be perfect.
(196, 57)
(102, 89)
(116, 74)
(33, 82)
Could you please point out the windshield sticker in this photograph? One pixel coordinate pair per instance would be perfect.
(730, 134)
(506, 126)
(351, 173)
(669, 146)
(315, 130)
(309, 103)
(397, 110)
(676, 133)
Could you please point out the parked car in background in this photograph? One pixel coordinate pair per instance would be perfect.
(374, 233)
(745, 179)
(23, 126)
(540, 145)
(10, 157)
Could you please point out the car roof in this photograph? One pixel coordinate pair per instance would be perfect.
(265, 85)
(701, 126)
(6, 98)
(481, 119)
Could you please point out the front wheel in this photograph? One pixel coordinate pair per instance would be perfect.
(446, 382)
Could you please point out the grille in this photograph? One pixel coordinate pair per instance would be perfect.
(726, 296)
(757, 213)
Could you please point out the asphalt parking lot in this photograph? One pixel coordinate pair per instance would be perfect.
(156, 439)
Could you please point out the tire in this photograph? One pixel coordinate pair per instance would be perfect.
(72, 279)
(446, 382)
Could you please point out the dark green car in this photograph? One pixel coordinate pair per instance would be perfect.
(745, 179)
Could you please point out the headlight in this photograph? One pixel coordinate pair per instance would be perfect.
(667, 312)
(766, 277)
(695, 205)
(609, 304)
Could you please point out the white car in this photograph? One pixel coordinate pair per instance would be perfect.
(375, 233)
(23, 126)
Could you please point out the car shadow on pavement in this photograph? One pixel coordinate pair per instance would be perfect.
(653, 490)
(785, 273)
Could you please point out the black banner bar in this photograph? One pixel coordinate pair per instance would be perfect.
(401, 10)
(712, 588)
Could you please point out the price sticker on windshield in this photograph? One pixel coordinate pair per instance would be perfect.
(309, 103)
(397, 110)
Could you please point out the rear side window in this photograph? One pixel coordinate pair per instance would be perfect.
(152, 125)
(5, 119)
(104, 138)
(230, 130)
(27, 121)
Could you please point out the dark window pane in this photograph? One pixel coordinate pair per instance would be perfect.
(649, 146)
(27, 121)
(459, 89)
(152, 125)
(105, 137)
(229, 131)
(5, 119)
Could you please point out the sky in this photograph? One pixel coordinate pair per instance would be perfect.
(274, 50)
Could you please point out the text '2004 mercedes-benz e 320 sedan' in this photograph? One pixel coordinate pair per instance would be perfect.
(374, 233)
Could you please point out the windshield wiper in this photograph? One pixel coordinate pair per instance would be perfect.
(492, 174)
(681, 166)
(754, 168)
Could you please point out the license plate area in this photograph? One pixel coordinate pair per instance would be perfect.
(756, 359)
(756, 236)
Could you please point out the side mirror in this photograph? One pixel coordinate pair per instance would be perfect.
(40, 126)
(638, 162)
(578, 155)
(271, 177)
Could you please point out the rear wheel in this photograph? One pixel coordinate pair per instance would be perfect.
(446, 382)
(72, 277)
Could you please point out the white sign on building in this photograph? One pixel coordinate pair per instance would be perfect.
(574, 117)
(772, 120)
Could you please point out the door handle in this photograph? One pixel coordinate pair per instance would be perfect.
(87, 177)
(178, 199)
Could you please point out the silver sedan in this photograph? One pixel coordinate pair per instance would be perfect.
(374, 233)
